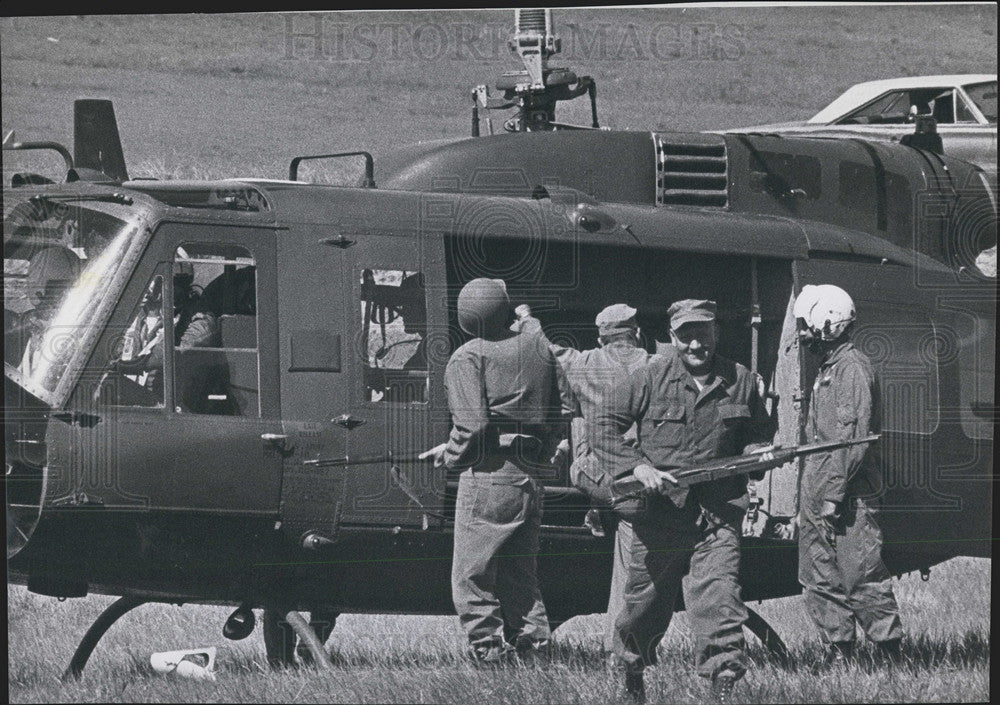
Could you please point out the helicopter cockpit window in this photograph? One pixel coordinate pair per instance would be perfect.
(64, 265)
(215, 330)
(394, 335)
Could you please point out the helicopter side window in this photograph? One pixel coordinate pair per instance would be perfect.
(215, 330)
(394, 335)
(140, 358)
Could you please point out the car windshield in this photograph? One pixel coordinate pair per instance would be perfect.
(65, 261)
(984, 95)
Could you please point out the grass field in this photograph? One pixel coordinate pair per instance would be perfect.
(389, 658)
(236, 95)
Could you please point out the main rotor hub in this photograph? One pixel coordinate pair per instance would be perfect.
(537, 89)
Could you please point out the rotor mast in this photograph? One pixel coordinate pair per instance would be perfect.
(537, 89)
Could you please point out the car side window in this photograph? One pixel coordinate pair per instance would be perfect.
(394, 335)
(215, 330)
(943, 107)
(963, 113)
(890, 108)
(984, 95)
(902, 106)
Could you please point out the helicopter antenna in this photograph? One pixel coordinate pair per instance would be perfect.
(535, 90)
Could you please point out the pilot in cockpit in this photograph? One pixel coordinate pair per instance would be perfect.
(51, 273)
(195, 326)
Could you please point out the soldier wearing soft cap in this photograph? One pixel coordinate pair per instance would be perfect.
(592, 376)
(691, 405)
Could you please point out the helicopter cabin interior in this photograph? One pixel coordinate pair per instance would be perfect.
(408, 330)
(567, 284)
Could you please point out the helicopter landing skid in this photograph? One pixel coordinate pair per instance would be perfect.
(118, 609)
(768, 637)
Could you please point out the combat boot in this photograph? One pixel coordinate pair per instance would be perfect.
(635, 687)
(493, 655)
(530, 650)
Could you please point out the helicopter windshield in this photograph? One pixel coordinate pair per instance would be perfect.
(66, 259)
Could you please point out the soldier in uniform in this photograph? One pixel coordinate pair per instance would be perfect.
(840, 544)
(506, 412)
(691, 406)
(592, 376)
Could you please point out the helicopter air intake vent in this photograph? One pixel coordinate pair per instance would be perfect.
(691, 170)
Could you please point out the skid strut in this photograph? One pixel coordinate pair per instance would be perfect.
(768, 637)
(309, 638)
(118, 609)
(279, 641)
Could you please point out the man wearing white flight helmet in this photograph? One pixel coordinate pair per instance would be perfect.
(840, 544)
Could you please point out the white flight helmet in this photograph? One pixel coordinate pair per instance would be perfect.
(827, 310)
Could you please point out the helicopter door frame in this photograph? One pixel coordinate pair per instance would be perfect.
(396, 390)
(181, 461)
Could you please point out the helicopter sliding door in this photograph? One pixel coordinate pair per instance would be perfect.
(567, 283)
(398, 346)
(779, 489)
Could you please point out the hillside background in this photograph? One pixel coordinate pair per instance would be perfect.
(233, 95)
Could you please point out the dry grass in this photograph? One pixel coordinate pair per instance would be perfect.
(383, 658)
(213, 95)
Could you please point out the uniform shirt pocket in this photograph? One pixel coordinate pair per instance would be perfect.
(664, 426)
(729, 433)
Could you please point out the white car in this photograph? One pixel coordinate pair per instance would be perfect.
(964, 105)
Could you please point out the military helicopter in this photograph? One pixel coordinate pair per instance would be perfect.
(276, 464)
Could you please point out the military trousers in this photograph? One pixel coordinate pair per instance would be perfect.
(843, 577)
(494, 580)
(619, 576)
(674, 550)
